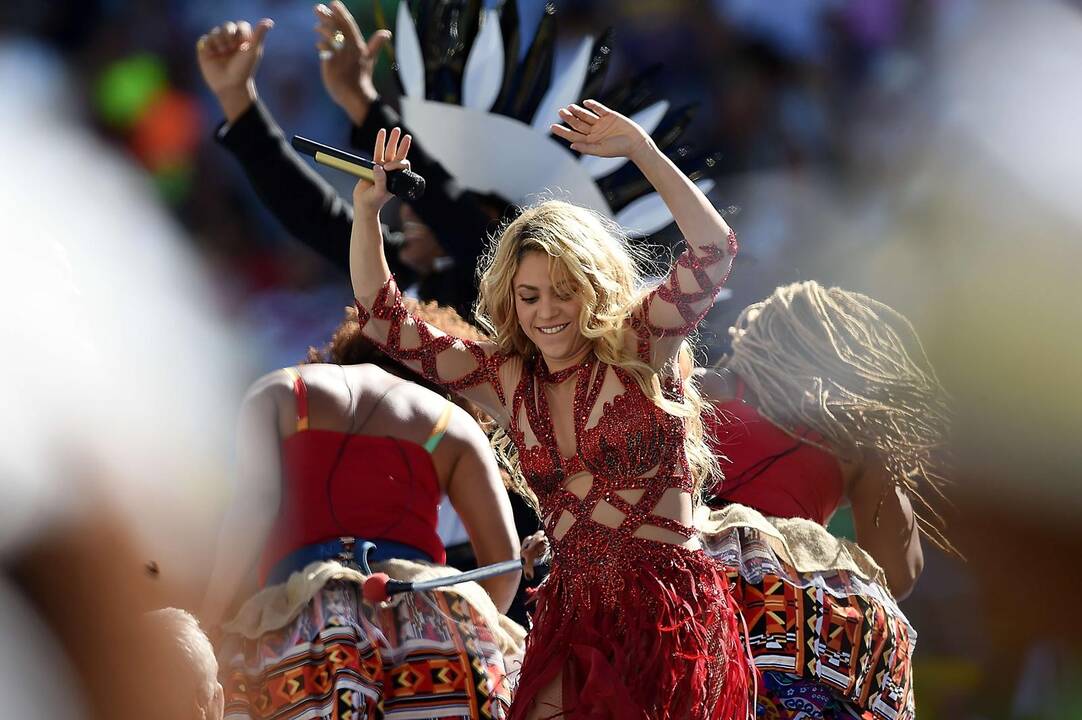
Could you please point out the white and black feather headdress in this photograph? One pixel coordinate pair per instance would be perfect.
(485, 115)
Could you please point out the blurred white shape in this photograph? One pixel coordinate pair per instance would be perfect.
(490, 153)
(1013, 88)
(35, 680)
(649, 213)
(648, 119)
(407, 53)
(483, 74)
(566, 87)
(118, 364)
(449, 525)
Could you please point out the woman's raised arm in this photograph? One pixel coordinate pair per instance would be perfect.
(679, 303)
(465, 367)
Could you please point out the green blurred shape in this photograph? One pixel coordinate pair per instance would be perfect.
(841, 525)
(126, 88)
(174, 182)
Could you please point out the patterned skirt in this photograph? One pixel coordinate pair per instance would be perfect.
(314, 648)
(826, 634)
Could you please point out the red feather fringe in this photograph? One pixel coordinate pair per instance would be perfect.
(657, 639)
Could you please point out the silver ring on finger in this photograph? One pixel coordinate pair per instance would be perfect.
(338, 41)
(326, 54)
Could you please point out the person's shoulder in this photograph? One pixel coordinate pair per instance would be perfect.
(270, 386)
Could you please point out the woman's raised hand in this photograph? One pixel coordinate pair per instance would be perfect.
(229, 53)
(389, 154)
(593, 129)
(347, 60)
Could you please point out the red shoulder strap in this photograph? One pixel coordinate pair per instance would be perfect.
(300, 391)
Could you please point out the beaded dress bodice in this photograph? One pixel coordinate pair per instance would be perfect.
(634, 445)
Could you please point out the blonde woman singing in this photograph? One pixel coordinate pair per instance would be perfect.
(635, 620)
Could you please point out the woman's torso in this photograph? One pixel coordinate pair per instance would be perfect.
(354, 462)
(613, 480)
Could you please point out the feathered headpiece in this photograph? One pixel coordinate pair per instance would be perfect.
(485, 116)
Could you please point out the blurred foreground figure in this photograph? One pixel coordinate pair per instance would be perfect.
(109, 452)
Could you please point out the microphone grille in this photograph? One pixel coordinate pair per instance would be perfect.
(406, 184)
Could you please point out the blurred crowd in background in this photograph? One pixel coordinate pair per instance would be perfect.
(928, 153)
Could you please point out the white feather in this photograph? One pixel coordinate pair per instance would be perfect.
(648, 119)
(565, 89)
(407, 53)
(493, 153)
(649, 213)
(483, 75)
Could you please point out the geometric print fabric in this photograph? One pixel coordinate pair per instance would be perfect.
(431, 655)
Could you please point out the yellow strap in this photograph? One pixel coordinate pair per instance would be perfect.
(439, 429)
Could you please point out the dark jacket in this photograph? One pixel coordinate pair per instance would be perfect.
(312, 211)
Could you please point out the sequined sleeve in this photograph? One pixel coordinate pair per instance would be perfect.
(673, 309)
(464, 367)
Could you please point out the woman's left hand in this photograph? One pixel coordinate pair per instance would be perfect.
(593, 129)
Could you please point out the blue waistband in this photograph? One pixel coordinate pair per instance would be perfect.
(356, 552)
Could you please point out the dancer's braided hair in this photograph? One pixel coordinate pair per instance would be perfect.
(853, 370)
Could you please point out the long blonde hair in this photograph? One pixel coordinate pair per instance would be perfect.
(590, 254)
(853, 370)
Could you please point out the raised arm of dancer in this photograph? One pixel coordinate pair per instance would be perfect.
(469, 368)
(477, 493)
(302, 201)
(347, 63)
(309, 207)
(885, 526)
(255, 498)
(674, 309)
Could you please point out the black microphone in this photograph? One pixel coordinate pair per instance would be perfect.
(403, 183)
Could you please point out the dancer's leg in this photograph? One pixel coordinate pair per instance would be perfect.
(549, 701)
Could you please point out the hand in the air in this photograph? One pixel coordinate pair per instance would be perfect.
(389, 154)
(229, 54)
(593, 129)
(534, 547)
(347, 60)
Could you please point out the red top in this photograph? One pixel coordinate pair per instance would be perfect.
(336, 484)
(768, 469)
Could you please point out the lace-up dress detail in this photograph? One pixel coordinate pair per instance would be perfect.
(635, 626)
(632, 437)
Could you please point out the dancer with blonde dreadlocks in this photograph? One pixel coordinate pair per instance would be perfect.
(827, 395)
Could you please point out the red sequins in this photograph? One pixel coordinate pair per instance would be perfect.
(388, 306)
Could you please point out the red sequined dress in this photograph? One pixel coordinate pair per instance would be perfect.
(637, 628)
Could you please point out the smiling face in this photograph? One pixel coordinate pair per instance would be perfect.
(548, 312)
